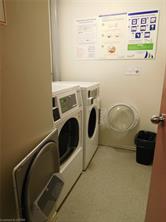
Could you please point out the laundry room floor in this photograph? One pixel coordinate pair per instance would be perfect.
(114, 188)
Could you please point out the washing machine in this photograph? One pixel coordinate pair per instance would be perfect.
(68, 119)
(37, 182)
(91, 107)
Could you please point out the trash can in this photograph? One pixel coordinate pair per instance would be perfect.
(145, 144)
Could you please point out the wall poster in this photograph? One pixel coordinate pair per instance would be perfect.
(86, 38)
(112, 36)
(142, 34)
(118, 36)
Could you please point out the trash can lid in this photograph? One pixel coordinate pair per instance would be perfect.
(122, 117)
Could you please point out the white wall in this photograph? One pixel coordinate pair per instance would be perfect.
(26, 98)
(143, 91)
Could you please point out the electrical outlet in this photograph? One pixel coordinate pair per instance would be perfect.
(133, 71)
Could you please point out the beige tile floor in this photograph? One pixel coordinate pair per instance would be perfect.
(114, 188)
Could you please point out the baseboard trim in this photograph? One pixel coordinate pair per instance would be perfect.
(133, 148)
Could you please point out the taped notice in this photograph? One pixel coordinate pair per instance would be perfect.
(142, 34)
(118, 36)
(86, 38)
(112, 36)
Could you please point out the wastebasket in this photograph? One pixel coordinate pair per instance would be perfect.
(145, 144)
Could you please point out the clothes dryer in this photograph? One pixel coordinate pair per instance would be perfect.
(67, 113)
(91, 106)
(36, 180)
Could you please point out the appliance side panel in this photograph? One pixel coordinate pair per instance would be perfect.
(26, 100)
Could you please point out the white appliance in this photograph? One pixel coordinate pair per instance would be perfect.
(36, 181)
(68, 114)
(91, 107)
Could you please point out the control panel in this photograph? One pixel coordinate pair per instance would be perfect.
(68, 102)
(93, 93)
(55, 109)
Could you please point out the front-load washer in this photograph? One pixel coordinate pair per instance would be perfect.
(37, 183)
(91, 107)
(67, 113)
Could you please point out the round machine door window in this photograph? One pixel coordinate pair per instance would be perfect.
(68, 139)
(92, 123)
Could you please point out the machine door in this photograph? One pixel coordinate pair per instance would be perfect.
(68, 139)
(36, 180)
(42, 186)
(92, 122)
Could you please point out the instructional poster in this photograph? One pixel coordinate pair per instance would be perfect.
(112, 36)
(142, 34)
(86, 38)
(118, 36)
